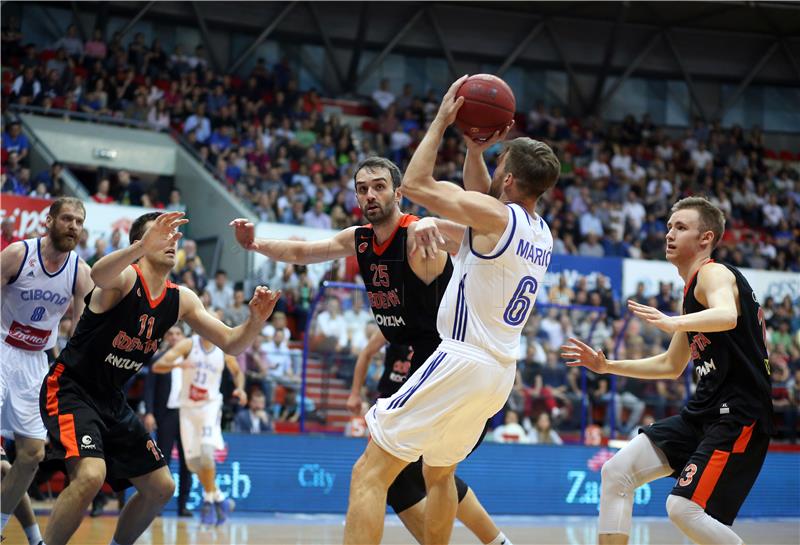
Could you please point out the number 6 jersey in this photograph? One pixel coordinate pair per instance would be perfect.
(35, 300)
(109, 348)
(489, 297)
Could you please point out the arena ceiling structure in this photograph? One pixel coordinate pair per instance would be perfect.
(599, 45)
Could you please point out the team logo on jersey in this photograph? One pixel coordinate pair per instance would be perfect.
(706, 368)
(126, 343)
(363, 247)
(87, 443)
(27, 337)
(698, 344)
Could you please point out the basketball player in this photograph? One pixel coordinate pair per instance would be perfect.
(89, 422)
(716, 446)
(41, 277)
(24, 510)
(201, 365)
(439, 413)
(404, 289)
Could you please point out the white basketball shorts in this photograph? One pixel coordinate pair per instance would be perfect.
(441, 410)
(21, 375)
(201, 425)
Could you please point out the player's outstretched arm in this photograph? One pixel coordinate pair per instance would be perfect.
(109, 273)
(298, 252)
(11, 261)
(374, 345)
(429, 235)
(448, 200)
(715, 290)
(669, 364)
(238, 379)
(168, 360)
(234, 340)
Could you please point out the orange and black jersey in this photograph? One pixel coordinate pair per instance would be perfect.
(109, 348)
(731, 367)
(405, 308)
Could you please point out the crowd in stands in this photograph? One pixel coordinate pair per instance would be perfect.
(274, 146)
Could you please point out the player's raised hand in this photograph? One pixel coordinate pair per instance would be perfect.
(479, 146)
(450, 104)
(245, 233)
(580, 354)
(354, 404)
(163, 232)
(241, 395)
(653, 316)
(263, 303)
(425, 237)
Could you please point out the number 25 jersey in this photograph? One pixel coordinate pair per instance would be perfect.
(489, 297)
(109, 348)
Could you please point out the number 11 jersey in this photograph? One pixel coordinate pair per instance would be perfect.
(489, 297)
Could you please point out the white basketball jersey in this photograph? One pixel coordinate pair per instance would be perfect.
(489, 298)
(35, 300)
(201, 383)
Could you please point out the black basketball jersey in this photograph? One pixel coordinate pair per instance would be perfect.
(396, 368)
(108, 349)
(405, 308)
(731, 367)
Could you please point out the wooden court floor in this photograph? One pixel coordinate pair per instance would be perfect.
(272, 529)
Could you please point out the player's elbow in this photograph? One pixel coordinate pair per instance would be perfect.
(731, 319)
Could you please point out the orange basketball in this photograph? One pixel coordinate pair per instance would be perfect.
(489, 106)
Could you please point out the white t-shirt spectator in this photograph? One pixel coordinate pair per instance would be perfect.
(555, 333)
(269, 332)
(333, 327)
(590, 223)
(220, 298)
(553, 437)
(399, 140)
(666, 187)
(621, 162)
(320, 221)
(634, 212)
(701, 158)
(279, 360)
(773, 214)
(383, 98)
(598, 169)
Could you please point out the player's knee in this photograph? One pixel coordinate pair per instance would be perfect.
(4, 467)
(680, 510)
(90, 479)
(437, 475)
(164, 489)
(30, 453)
(614, 478)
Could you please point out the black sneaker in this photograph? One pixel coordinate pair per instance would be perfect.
(98, 503)
(183, 512)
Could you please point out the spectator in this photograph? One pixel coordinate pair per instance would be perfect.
(7, 235)
(316, 217)
(591, 247)
(102, 195)
(83, 249)
(199, 123)
(279, 360)
(276, 323)
(332, 331)
(96, 47)
(51, 178)
(510, 431)
(238, 312)
(116, 242)
(543, 432)
(15, 141)
(71, 43)
(26, 87)
(382, 96)
(129, 191)
(100, 245)
(255, 419)
(220, 290)
(175, 203)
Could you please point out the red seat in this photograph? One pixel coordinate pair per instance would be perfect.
(46, 55)
(786, 155)
(770, 154)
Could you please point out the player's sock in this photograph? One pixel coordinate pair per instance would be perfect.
(698, 525)
(501, 539)
(6, 517)
(219, 496)
(210, 497)
(33, 533)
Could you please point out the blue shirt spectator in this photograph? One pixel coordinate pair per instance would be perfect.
(199, 123)
(14, 140)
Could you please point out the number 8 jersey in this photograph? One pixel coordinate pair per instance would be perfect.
(489, 297)
(35, 300)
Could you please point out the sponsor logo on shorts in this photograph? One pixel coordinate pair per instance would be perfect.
(26, 337)
(154, 450)
(87, 443)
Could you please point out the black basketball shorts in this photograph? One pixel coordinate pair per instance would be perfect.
(82, 425)
(715, 463)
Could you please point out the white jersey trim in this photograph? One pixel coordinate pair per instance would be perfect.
(507, 234)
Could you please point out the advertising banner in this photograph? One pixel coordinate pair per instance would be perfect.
(29, 215)
(775, 284)
(311, 474)
(574, 267)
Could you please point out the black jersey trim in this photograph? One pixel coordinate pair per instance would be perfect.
(41, 261)
(75, 276)
(21, 265)
(508, 241)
